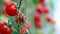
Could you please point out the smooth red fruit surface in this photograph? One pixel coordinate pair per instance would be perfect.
(41, 1)
(39, 9)
(38, 25)
(22, 31)
(20, 15)
(11, 9)
(49, 19)
(37, 17)
(9, 31)
(46, 9)
(4, 28)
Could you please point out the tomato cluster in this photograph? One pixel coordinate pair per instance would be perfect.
(41, 9)
(37, 20)
(4, 29)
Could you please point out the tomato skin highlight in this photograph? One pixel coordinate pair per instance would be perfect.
(11, 9)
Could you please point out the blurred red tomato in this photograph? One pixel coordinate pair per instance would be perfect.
(46, 9)
(38, 25)
(41, 1)
(39, 9)
(22, 31)
(37, 17)
(48, 18)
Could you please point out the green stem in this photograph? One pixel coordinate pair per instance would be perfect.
(20, 3)
(18, 24)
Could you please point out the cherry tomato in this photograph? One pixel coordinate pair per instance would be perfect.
(49, 19)
(20, 15)
(38, 25)
(46, 9)
(22, 31)
(4, 28)
(39, 9)
(11, 9)
(41, 1)
(9, 31)
(37, 17)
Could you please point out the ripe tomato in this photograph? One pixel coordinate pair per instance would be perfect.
(39, 9)
(20, 15)
(38, 25)
(41, 1)
(49, 19)
(37, 17)
(46, 9)
(4, 28)
(9, 31)
(22, 31)
(11, 9)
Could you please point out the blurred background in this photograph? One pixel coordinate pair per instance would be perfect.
(28, 9)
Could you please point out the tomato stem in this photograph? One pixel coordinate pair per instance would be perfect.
(20, 3)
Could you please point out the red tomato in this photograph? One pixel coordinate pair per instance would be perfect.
(22, 31)
(20, 15)
(11, 9)
(9, 31)
(39, 9)
(38, 25)
(46, 9)
(41, 1)
(4, 28)
(49, 19)
(37, 17)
